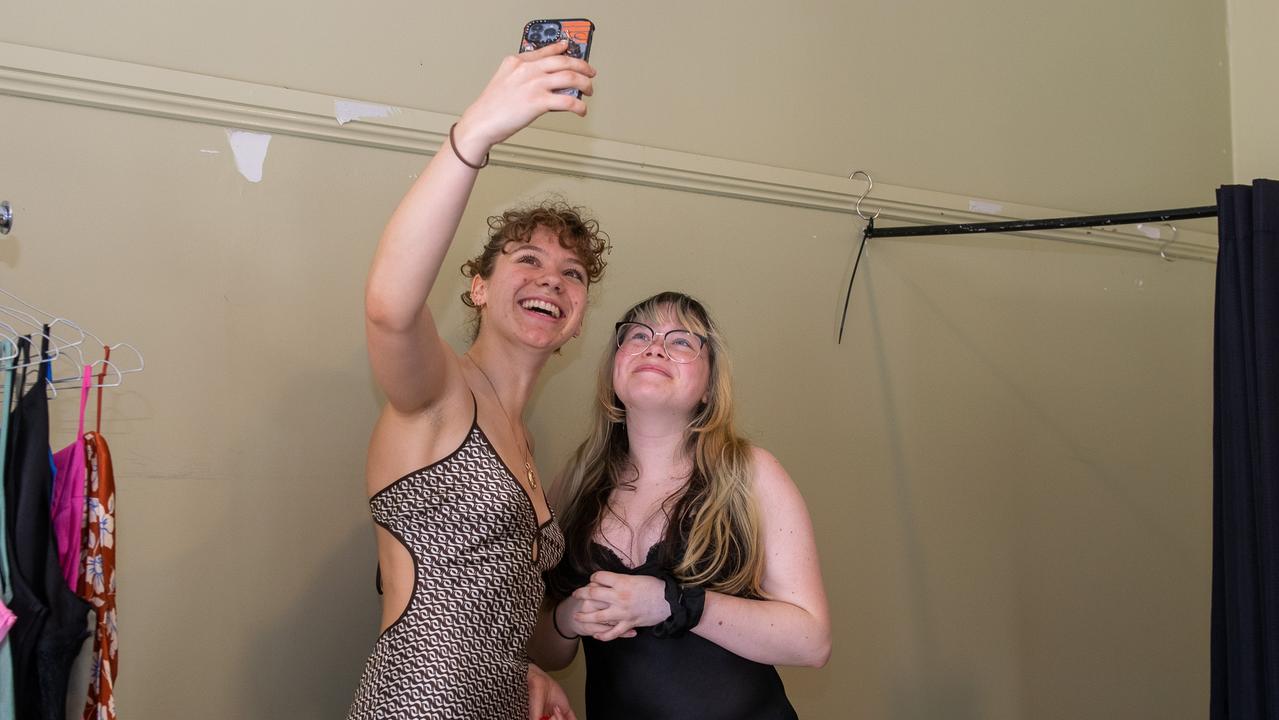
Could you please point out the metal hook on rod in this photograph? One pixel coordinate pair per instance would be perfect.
(867, 230)
(1163, 249)
(870, 185)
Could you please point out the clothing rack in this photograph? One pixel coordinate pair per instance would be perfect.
(66, 339)
(1134, 218)
(1007, 226)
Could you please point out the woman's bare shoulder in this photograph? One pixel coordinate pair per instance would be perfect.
(403, 443)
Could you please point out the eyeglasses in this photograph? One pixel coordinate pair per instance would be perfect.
(681, 346)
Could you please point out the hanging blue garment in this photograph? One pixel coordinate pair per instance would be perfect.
(7, 350)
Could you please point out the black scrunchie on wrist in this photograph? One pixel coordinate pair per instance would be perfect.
(687, 603)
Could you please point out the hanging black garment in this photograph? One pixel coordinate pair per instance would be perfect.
(52, 620)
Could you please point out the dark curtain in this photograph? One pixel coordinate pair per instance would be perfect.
(1245, 526)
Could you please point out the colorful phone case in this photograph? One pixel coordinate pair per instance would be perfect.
(578, 31)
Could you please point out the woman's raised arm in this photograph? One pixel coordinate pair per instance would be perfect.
(411, 363)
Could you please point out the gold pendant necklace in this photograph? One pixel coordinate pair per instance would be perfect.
(523, 446)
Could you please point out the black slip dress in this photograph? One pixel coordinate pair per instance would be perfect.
(52, 621)
(647, 677)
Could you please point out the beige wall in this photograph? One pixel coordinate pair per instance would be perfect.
(1007, 461)
(1087, 105)
(1254, 92)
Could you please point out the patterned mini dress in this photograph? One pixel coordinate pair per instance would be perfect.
(457, 652)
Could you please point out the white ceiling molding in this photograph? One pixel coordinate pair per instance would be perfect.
(62, 77)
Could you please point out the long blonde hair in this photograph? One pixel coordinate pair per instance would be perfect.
(715, 516)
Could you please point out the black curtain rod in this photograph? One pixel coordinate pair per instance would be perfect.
(1153, 216)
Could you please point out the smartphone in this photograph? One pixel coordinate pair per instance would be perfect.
(577, 31)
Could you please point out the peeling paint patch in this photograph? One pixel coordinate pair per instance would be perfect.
(985, 206)
(346, 111)
(250, 152)
(1150, 232)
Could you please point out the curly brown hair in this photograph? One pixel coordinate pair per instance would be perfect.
(576, 229)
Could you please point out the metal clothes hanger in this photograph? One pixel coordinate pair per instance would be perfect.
(10, 333)
(62, 344)
(34, 337)
(110, 370)
(56, 343)
(115, 367)
(141, 364)
(53, 321)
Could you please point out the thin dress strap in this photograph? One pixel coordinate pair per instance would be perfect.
(86, 379)
(102, 376)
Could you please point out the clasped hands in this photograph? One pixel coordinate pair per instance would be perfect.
(612, 605)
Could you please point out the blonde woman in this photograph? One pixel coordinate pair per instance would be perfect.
(690, 569)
